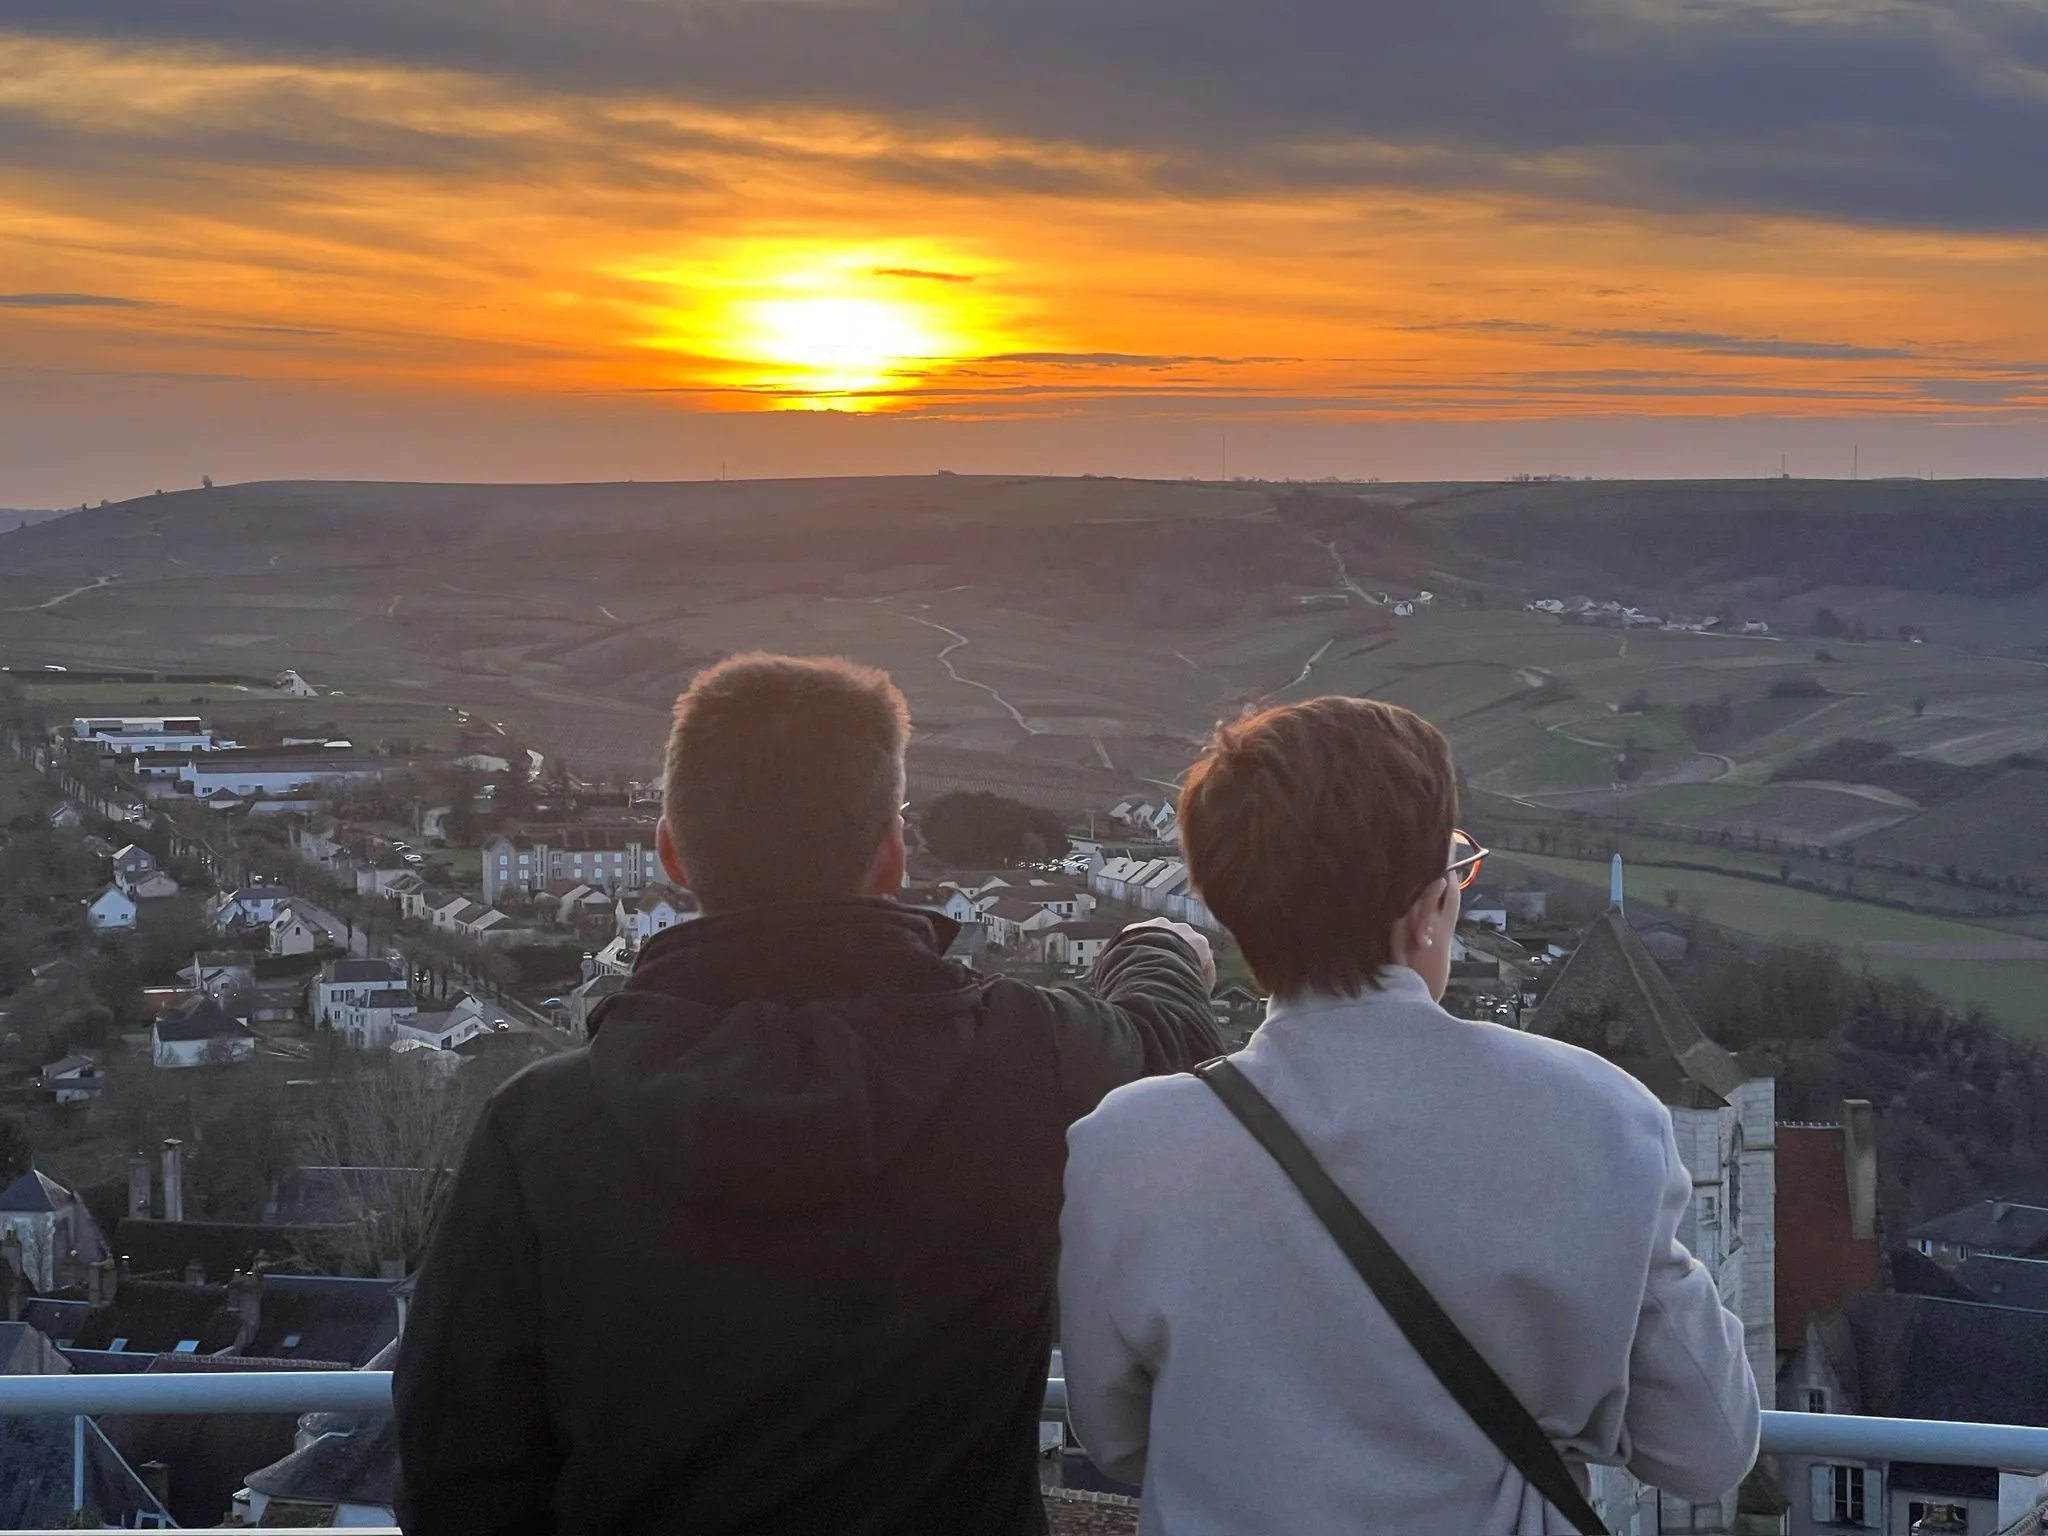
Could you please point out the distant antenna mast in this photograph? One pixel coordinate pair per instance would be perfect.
(1226, 455)
(1856, 462)
(1783, 473)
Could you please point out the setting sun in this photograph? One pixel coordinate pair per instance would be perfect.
(822, 328)
(840, 346)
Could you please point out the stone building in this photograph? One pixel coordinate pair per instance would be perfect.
(1613, 998)
(51, 1224)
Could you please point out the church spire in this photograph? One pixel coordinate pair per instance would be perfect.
(1614, 885)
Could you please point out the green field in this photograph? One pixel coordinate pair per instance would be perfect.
(2016, 989)
(1693, 804)
(172, 697)
(2000, 828)
(1557, 762)
(1659, 729)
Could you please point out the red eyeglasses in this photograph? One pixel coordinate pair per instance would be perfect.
(1465, 867)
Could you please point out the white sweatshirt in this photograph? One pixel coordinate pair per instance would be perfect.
(1221, 1349)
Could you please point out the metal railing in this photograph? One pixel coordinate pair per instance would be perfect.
(1850, 1437)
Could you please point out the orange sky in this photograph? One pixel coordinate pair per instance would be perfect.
(246, 246)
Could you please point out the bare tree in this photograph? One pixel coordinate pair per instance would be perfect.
(393, 1133)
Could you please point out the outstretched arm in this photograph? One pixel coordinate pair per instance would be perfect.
(1149, 1013)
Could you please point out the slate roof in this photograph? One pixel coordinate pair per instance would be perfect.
(403, 998)
(2006, 1282)
(360, 971)
(34, 1191)
(356, 1468)
(55, 1319)
(1999, 1226)
(1015, 909)
(1612, 997)
(331, 1318)
(26, 1350)
(200, 1019)
(1924, 1357)
(68, 1064)
(164, 1248)
(1089, 928)
(156, 1316)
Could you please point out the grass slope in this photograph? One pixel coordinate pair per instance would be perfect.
(1936, 950)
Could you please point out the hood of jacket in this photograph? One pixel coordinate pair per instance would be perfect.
(776, 1057)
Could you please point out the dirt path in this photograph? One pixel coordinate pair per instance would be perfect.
(1890, 797)
(946, 661)
(64, 597)
(1306, 667)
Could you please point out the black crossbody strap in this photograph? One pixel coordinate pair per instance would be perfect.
(1446, 1351)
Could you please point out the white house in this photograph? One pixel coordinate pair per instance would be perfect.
(220, 971)
(131, 735)
(1487, 908)
(199, 1034)
(446, 1028)
(75, 1079)
(251, 906)
(615, 959)
(250, 774)
(292, 934)
(156, 885)
(131, 860)
(946, 898)
(1012, 919)
(66, 815)
(290, 682)
(640, 915)
(113, 910)
(347, 985)
(1077, 945)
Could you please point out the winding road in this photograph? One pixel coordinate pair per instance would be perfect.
(946, 661)
(64, 597)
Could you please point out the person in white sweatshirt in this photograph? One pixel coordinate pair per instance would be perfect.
(1221, 1350)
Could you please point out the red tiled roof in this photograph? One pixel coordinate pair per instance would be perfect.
(1820, 1259)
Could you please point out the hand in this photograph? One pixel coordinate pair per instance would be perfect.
(1193, 937)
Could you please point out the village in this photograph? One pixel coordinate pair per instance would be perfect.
(228, 961)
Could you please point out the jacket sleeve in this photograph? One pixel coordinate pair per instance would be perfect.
(1109, 1383)
(1149, 1013)
(478, 1450)
(1692, 1419)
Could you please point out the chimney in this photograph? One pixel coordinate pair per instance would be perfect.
(1859, 1163)
(174, 1180)
(102, 1283)
(138, 1185)
(16, 1278)
(246, 1292)
(195, 1272)
(156, 1477)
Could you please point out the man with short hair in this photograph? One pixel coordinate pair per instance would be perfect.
(774, 1253)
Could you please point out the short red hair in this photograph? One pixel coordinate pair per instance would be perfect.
(1311, 828)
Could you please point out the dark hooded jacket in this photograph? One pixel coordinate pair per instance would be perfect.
(774, 1254)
